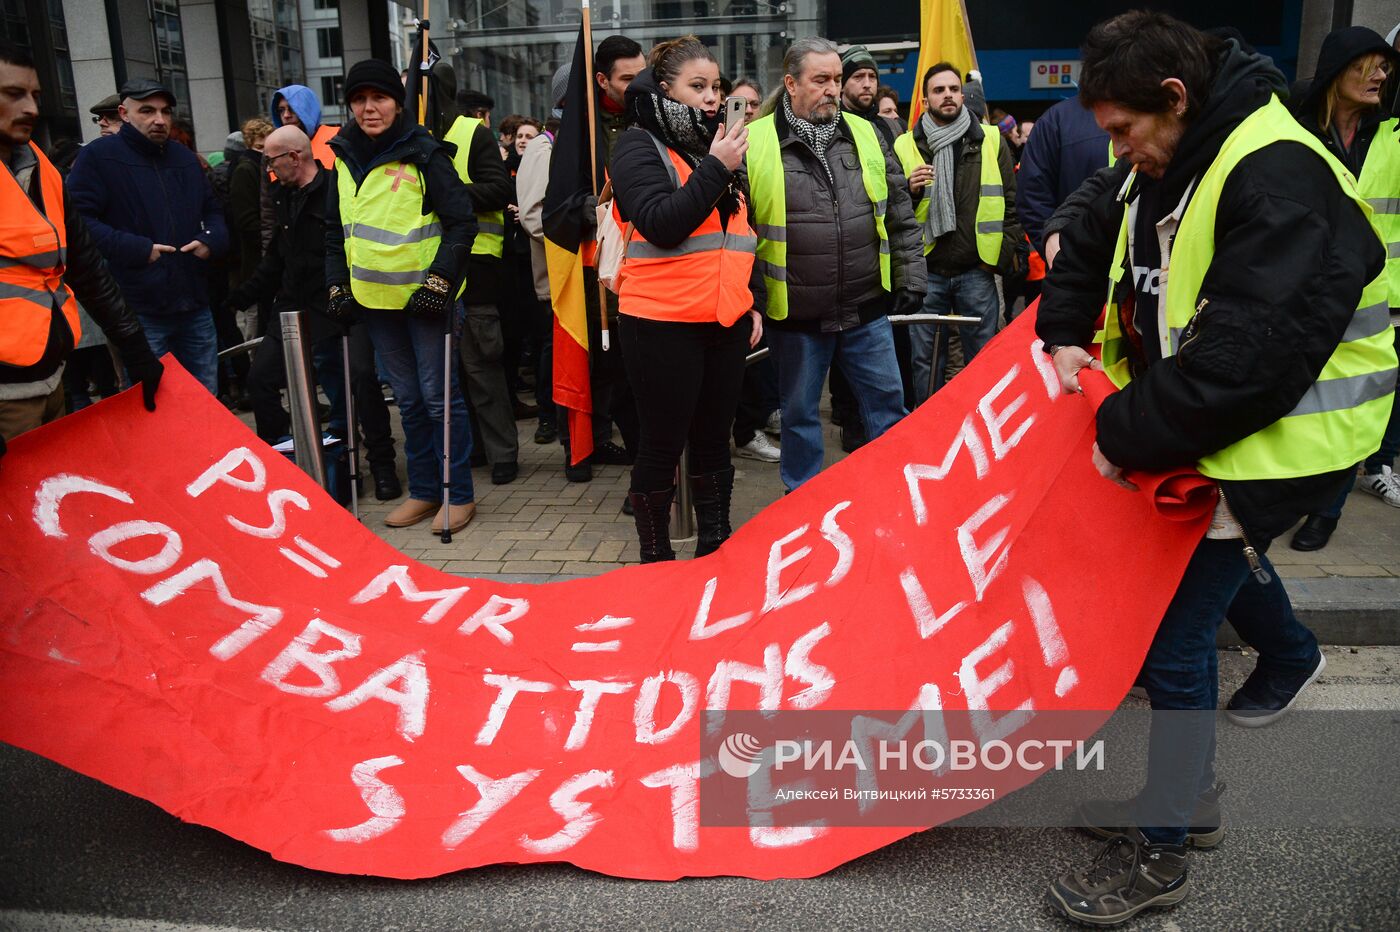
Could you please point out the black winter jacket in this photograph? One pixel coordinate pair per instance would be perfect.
(86, 275)
(833, 258)
(1293, 253)
(443, 194)
(293, 270)
(666, 215)
(956, 250)
(134, 193)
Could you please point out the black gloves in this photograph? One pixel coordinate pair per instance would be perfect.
(907, 302)
(340, 304)
(432, 300)
(147, 370)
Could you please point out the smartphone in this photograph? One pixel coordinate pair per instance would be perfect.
(734, 112)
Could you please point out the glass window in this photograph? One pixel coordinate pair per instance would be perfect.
(326, 4)
(328, 42)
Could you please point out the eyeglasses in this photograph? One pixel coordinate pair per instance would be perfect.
(269, 161)
(105, 118)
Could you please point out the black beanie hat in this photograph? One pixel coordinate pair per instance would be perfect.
(375, 73)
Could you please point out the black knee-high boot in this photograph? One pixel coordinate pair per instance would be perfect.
(711, 493)
(652, 512)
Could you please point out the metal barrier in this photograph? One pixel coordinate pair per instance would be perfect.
(301, 398)
(245, 347)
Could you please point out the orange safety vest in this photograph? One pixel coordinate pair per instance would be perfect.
(704, 279)
(33, 250)
(1035, 265)
(321, 149)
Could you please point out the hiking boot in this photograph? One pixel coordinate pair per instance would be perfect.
(652, 513)
(1106, 818)
(710, 495)
(1127, 876)
(760, 448)
(1266, 695)
(608, 453)
(1384, 485)
(1314, 534)
(546, 432)
(386, 483)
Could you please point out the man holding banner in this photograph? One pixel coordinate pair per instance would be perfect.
(1267, 362)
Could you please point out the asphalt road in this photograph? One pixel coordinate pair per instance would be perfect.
(76, 854)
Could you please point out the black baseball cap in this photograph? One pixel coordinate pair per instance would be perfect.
(141, 88)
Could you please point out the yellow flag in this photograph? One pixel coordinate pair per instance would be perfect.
(943, 36)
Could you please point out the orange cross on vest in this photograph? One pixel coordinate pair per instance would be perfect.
(401, 174)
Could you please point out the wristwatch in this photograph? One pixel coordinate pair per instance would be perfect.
(1052, 348)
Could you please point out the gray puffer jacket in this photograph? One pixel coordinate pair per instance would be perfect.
(833, 251)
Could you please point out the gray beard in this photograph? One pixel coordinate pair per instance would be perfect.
(822, 120)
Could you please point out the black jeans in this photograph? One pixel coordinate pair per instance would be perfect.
(686, 379)
(758, 398)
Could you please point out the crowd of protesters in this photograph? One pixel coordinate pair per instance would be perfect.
(961, 222)
(810, 226)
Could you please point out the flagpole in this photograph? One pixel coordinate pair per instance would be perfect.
(422, 72)
(588, 83)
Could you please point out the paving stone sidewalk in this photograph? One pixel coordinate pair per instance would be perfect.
(541, 526)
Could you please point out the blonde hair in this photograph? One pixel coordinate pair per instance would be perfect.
(256, 130)
(1363, 65)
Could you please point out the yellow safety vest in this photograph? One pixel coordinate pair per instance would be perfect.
(389, 242)
(769, 209)
(1379, 184)
(991, 203)
(1340, 420)
(490, 224)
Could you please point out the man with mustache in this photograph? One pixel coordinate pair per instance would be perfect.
(46, 259)
(839, 251)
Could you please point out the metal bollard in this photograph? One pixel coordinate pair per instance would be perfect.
(301, 398)
(682, 511)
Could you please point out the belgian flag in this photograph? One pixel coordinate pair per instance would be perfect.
(569, 249)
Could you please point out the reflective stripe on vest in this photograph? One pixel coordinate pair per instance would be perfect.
(389, 243)
(991, 199)
(769, 207)
(1379, 184)
(490, 224)
(703, 279)
(1340, 419)
(33, 250)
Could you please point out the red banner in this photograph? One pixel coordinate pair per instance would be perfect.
(187, 617)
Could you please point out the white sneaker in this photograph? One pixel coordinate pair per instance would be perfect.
(775, 423)
(760, 448)
(1384, 485)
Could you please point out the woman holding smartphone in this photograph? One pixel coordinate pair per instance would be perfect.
(687, 287)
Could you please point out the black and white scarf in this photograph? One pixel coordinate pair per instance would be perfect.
(684, 129)
(817, 135)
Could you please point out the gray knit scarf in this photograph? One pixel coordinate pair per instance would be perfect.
(816, 135)
(942, 214)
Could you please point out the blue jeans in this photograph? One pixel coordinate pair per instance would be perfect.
(193, 340)
(866, 357)
(1180, 672)
(970, 294)
(411, 351)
